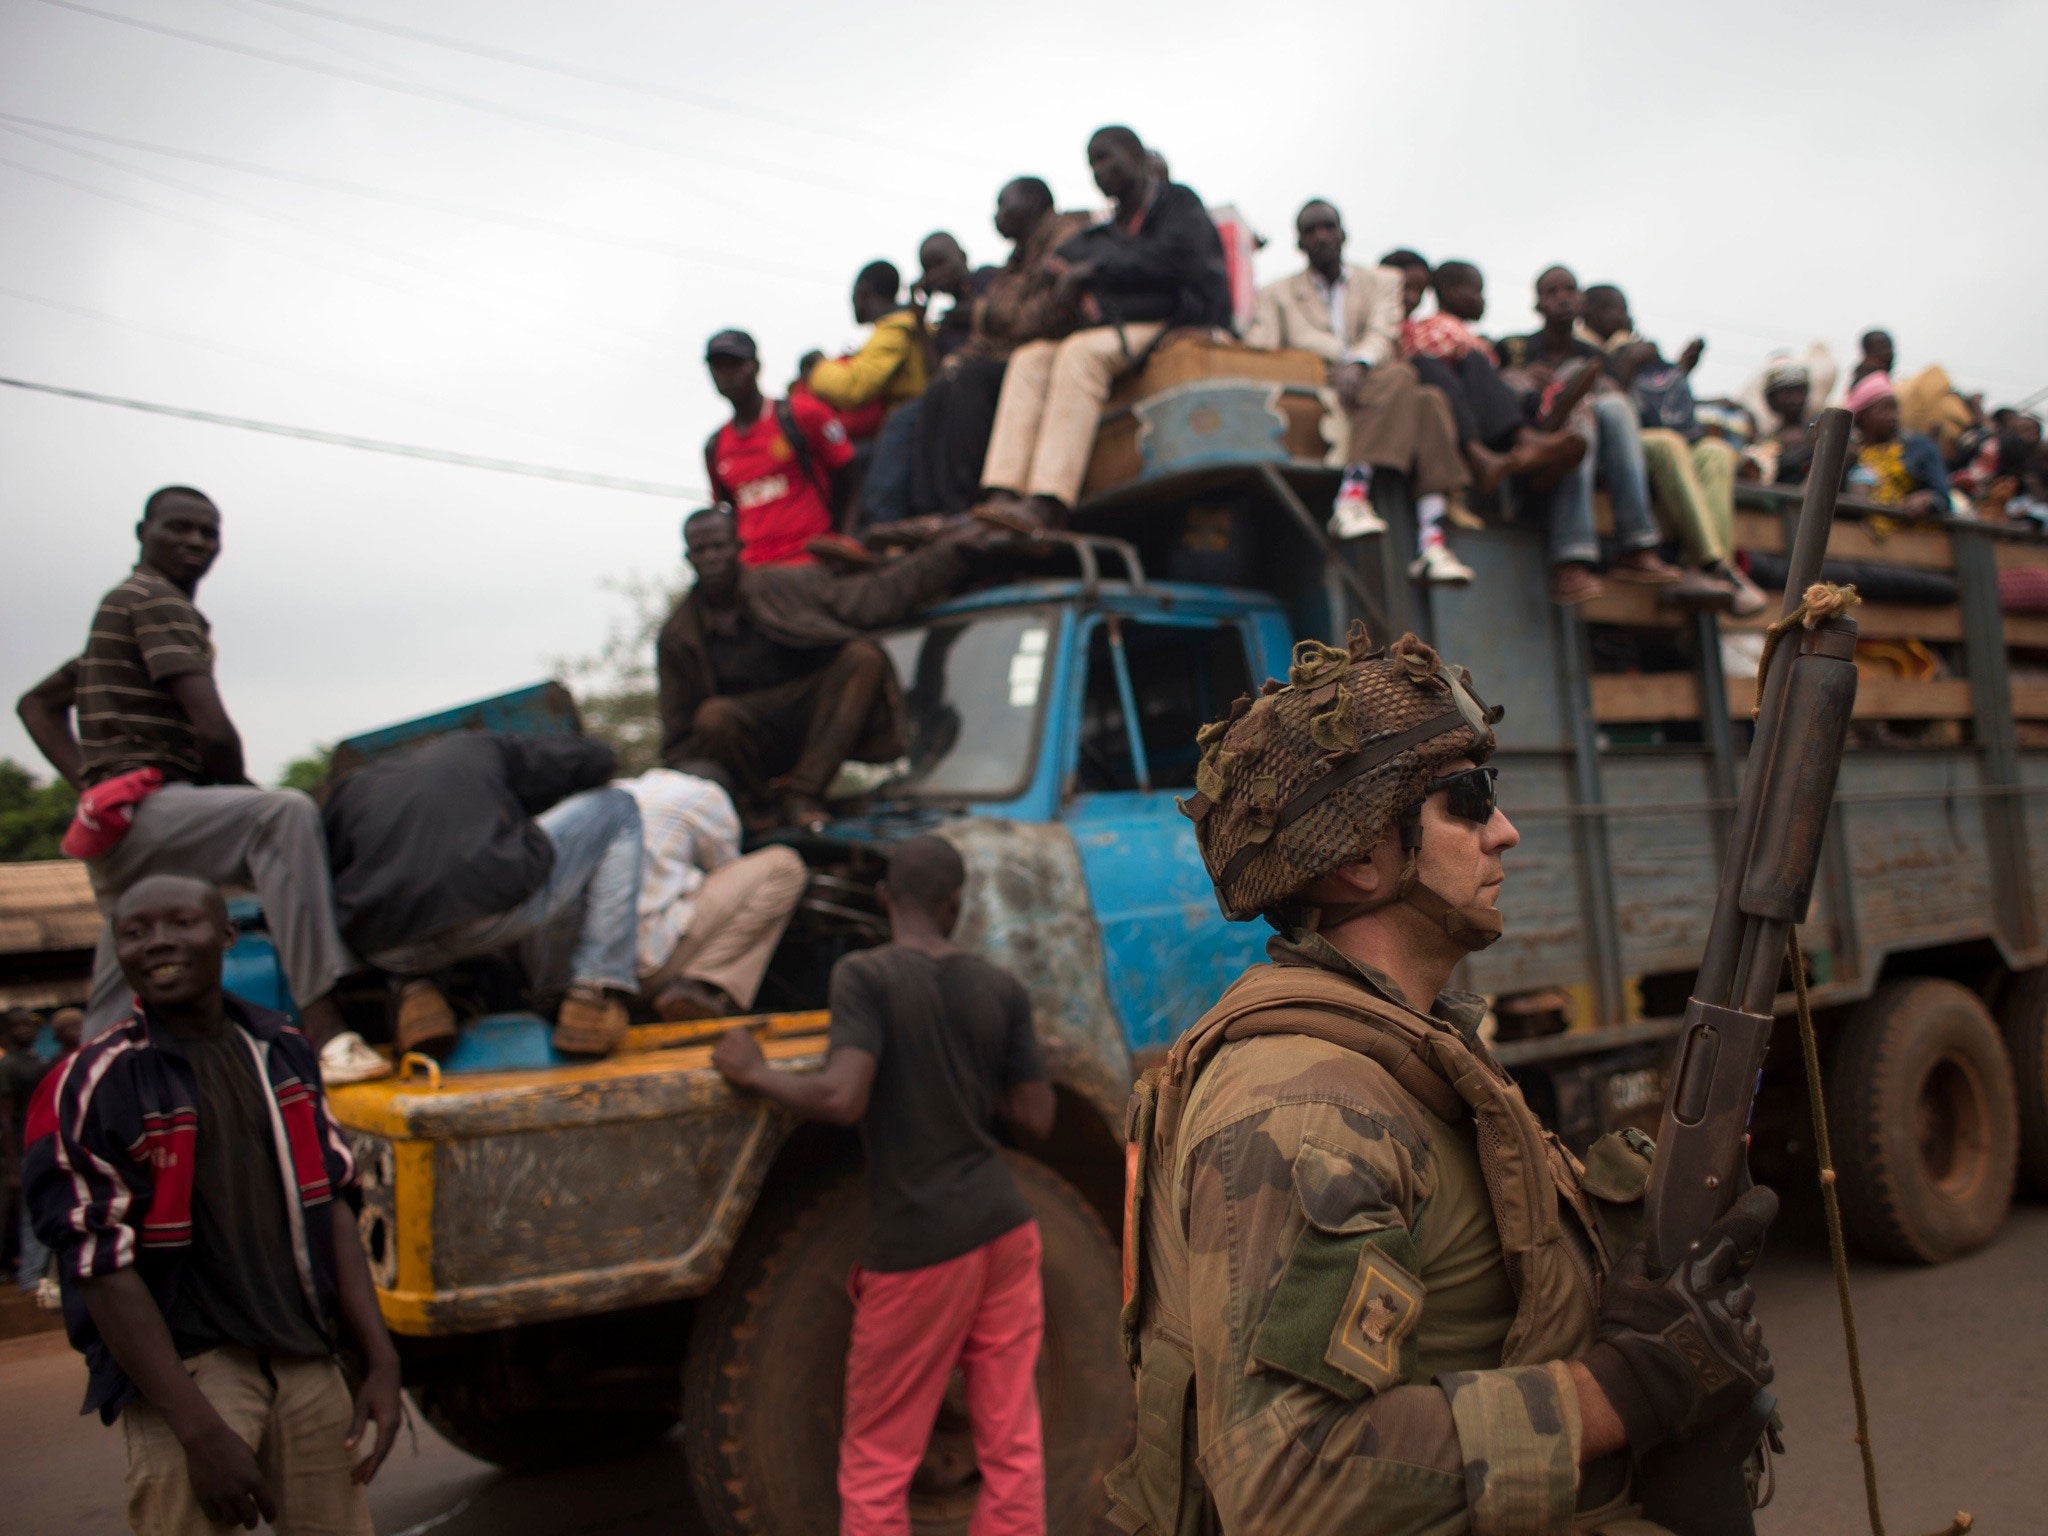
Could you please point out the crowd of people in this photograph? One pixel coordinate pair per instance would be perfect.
(980, 390)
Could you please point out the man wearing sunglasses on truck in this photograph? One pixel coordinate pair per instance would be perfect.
(1400, 1305)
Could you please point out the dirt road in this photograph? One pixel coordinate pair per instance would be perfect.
(1957, 1360)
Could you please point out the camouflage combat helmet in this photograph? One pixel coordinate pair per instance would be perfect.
(1311, 774)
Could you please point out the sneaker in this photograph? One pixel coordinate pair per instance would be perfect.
(590, 1022)
(425, 1021)
(1645, 567)
(1438, 567)
(1750, 599)
(1571, 585)
(347, 1058)
(1352, 516)
(1700, 589)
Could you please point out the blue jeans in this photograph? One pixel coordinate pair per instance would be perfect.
(1614, 455)
(885, 494)
(594, 885)
(35, 1258)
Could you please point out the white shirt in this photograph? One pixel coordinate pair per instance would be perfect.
(688, 829)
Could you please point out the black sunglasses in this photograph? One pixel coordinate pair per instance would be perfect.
(1470, 793)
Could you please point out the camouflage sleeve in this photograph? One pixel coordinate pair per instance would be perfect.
(1305, 1307)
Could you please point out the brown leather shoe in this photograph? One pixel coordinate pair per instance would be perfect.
(1571, 585)
(590, 1022)
(686, 1001)
(1646, 568)
(425, 1021)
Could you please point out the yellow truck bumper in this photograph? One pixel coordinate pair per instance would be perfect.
(493, 1200)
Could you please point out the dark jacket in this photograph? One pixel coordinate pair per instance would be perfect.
(1171, 269)
(444, 834)
(805, 607)
(110, 1165)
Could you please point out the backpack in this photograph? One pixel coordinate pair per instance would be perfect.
(800, 449)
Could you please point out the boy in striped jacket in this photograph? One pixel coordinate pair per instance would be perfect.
(199, 1203)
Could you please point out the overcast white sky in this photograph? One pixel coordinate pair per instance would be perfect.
(536, 279)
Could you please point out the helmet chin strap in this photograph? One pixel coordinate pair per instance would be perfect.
(1471, 927)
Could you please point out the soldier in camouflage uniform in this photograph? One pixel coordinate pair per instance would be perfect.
(1365, 1286)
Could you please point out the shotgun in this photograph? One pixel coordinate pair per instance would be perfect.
(1696, 1487)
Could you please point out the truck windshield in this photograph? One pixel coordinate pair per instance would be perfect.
(974, 688)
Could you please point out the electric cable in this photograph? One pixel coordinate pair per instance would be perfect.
(533, 222)
(369, 444)
(549, 120)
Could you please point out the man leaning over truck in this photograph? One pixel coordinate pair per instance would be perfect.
(159, 767)
(1373, 1296)
(767, 671)
(200, 1206)
(930, 1045)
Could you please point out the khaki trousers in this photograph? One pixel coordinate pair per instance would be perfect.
(736, 920)
(1694, 484)
(1050, 406)
(1403, 424)
(294, 1419)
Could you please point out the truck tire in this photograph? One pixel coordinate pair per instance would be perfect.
(765, 1373)
(1925, 1123)
(2025, 1024)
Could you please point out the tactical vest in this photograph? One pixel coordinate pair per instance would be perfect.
(1532, 1182)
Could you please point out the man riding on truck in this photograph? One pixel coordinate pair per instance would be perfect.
(1372, 1295)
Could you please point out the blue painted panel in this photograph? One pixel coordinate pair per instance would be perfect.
(1168, 951)
(1222, 422)
(253, 974)
(544, 709)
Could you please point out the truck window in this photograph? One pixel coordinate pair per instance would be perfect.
(973, 690)
(1182, 677)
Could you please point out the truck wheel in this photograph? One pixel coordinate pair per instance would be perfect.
(1925, 1123)
(535, 1439)
(2025, 1024)
(766, 1370)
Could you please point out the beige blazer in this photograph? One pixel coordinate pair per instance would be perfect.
(1294, 313)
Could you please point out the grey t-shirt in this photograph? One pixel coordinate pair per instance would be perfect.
(949, 1033)
(241, 1284)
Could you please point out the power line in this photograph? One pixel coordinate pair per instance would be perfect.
(369, 444)
(267, 359)
(602, 77)
(641, 354)
(436, 93)
(532, 222)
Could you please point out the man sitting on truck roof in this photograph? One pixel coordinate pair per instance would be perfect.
(773, 462)
(710, 916)
(930, 1048)
(1493, 427)
(480, 840)
(1691, 471)
(1555, 364)
(1351, 317)
(159, 765)
(1020, 303)
(1154, 265)
(766, 671)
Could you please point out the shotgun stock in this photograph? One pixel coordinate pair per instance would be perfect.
(1702, 1165)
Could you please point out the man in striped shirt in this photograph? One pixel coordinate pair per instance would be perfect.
(150, 722)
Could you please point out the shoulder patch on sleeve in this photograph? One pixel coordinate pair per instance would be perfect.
(1345, 1311)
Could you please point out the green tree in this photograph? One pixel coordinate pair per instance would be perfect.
(308, 772)
(33, 814)
(615, 688)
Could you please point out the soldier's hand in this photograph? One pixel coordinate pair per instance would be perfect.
(1678, 1350)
